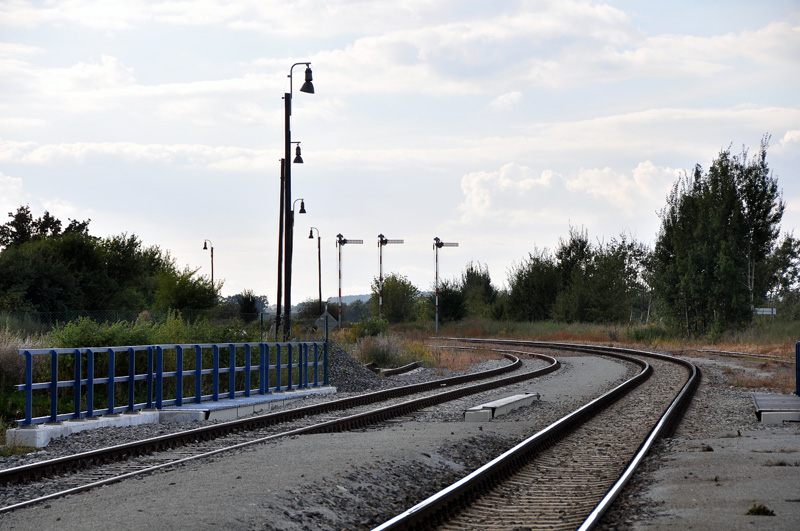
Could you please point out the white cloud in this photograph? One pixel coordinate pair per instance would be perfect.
(10, 193)
(646, 185)
(21, 122)
(790, 141)
(485, 193)
(507, 101)
(178, 155)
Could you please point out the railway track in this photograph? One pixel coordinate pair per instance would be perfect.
(567, 475)
(37, 482)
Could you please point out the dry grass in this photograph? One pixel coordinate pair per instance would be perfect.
(12, 365)
(460, 360)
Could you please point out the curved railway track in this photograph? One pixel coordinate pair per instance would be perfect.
(567, 475)
(37, 482)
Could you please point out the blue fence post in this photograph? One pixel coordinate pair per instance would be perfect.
(179, 375)
(89, 383)
(198, 373)
(77, 384)
(131, 378)
(289, 366)
(215, 374)
(111, 375)
(159, 377)
(305, 365)
(149, 377)
(247, 370)
(316, 364)
(325, 365)
(232, 371)
(53, 385)
(797, 369)
(278, 369)
(263, 368)
(28, 387)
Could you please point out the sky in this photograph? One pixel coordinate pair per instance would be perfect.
(497, 125)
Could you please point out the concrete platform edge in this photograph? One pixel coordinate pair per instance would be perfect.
(40, 435)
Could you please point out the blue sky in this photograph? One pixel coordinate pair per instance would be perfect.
(497, 125)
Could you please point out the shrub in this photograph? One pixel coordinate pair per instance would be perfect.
(384, 350)
(368, 327)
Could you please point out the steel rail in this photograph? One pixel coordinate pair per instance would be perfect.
(423, 514)
(350, 422)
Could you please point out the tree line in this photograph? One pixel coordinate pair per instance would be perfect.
(718, 255)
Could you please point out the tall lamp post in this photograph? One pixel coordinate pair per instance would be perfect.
(205, 248)
(308, 88)
(319, 261)
(381, 242)
(281, 215)
(438, 244)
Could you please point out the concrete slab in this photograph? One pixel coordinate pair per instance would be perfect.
(496, 408)
(775, 408)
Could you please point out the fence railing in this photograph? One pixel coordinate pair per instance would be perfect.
(169, 373)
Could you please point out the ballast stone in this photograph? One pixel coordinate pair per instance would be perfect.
(496, 408)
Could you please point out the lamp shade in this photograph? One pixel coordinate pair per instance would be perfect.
(308, 87)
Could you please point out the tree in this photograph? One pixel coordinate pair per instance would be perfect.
(23, 228)
(399, 297)
(248, 305)
(46, 269)
(181, 290)
(717, 233)
(784, 268)
(533, 287)
(452, 301)
(477, 290)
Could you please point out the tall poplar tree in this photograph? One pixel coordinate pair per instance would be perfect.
(717, 233)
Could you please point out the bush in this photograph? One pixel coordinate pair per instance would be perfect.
(369, 326)
(384, 350)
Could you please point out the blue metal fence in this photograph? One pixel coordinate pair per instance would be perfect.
(277, 367)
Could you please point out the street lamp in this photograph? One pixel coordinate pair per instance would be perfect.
(438, 244)
(341, 241)
(297, 160)
(308, 88)
(205, 248)
(381, 242)
(319, 261)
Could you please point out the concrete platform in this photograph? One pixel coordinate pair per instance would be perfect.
(40, 435)
(777, 409)
(496, 408)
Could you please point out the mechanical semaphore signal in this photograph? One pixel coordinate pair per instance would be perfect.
(438, 244)
(341, 241)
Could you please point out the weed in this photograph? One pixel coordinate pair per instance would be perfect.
(7, 450)
(760, 510)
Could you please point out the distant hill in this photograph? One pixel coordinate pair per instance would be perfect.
(347, 299)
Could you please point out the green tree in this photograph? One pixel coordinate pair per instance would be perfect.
(452, 301)
(23, 228)
(46, 269)
(399, 298)
(478, 292)
(248, 305)
(784, 268)
(181, 290)
(718, 230)
(533, 287)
